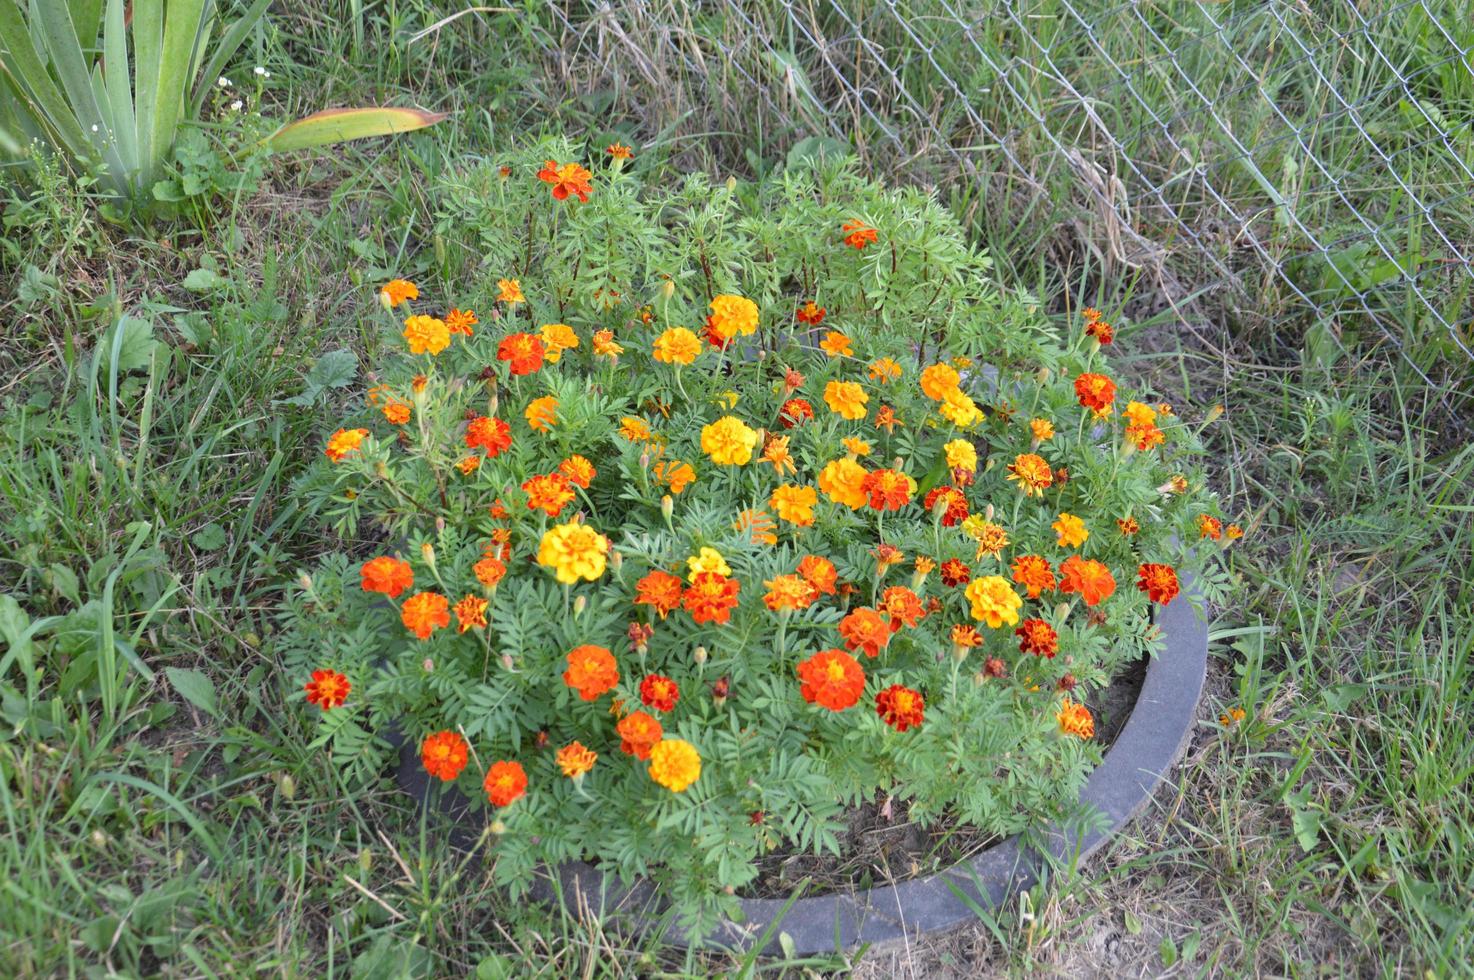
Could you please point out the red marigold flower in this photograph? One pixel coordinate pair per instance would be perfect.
(711, 597)
(1100, 330)
(832, 679)
(900, 707)
(639, 635)
(470, 613)
(865, 629)
(955, 505)
(888, 489)
(1033, 573)
(955, 572)
(1032, 474)
(490, 434)
(1037, 637)
(810, 313)
(659, 692)
(1128, 526)
(659, 590)
(549, 493)
(591, 671)
(522, 351)
(567, 178)
(387, 575)
(638, 733)
(425, 612)
(1096, 392)
(1159, 582)
(858, 234)
(1209, 527)
(579, 471)
(820, 573)
(328, 689)
(795, 411)
(902, 606)
(1092, 580)
(444, 755)
(505, 783)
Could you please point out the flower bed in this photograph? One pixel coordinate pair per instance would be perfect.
(710, 532)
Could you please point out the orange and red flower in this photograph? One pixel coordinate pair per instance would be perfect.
(578, 471)
(522, 351)
(954, 505)
(591, 671)
(470, 613)
(857, 234)
(425, 612)
(344, 442)
(1089, 578)
(900, 707)
(549, 493)
(1159, 582)
(659, 692)
(567, 179)
(387, 575)
(902, 606)
(1096, 392)
(1033, 573)
(1037, 637)
(1074, 719)
(1209, 527)
(1032, 474)
(460, 321)
(820, 573)
(659, 590)
(444, 755)
(795, 411)
(328, 689)
(832, 679)
(866, 630)
(810, 313)
(490, 434)
(955, 572)
(887, 489)
(789, 592)
(711, 597)
(505, 783)
(638, 732)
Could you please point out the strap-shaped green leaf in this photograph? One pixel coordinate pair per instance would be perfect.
(181, 34)
(340, 125)
(148, 44)
(118, 82)
(28, 73)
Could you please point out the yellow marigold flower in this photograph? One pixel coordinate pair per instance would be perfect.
(675, 764)
(633, 429)
(958, 408)
(542, 413)
(604, 344)
(733, 315)
(885, 370)
(396, 291)
(846, 399)
(1043, 429)
(794, 504)
(727, 399)
(858, 447)
(729, 441)
(557, 338)
(991, 538)
(961, 455)
(1071, 531)
(573, 551)
(575, 759)
(677, 346)
(938, 380)
(776, 452)
(1139, 415)
(836, 344)
(993, 601)
(426, 335)
(843, 482)
(707, 560)
(510, 291)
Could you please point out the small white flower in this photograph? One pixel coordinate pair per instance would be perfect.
(237, 105)
(262, 72)
(223, 82)
(94, 127)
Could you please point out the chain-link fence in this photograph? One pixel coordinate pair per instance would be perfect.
(1276, 159)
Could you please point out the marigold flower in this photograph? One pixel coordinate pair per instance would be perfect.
(638, 733)
(886, 418)
(591, 671)
(1071, 531)
(470, 613)
(1232, 717)
(886, 555)
(677, 346)
(795, 411)
(729, 441)
(605, 344)
(831, 679)
(961, 454)
(1100, 330)
(489, 571)
(549, 493)
(775, 451)
(952, 503)
(573, 551)
(1037, 637)
(789, 592)
(634, 429)
(659, 692)
(490, 434)
(1159, 582)
(675, 764)
(425, 612)
(820, 573)
(1145, 437)
(426, 335)
(1209, 527)
(857, 234)
(1074, 719)
(846, 399)
(673, 474)
(959, 409)
(885, 370)
(660, 591)
(1043, 429)
(468, 464)
(991, 538)
(505, 783)
(794, 504)
(619, 151)
(966, 637)
(1089, 578)
(836, 344)
(1128, 526)
(711, 597)
(344, 442)
(866, 630)
(1233, 532)
(900, 707)
(733, 315)
(522, 351)
(396, 291)
(575, 759)
(1096, 392)
(887, 489)
(1032, 473)
(328, 689)
(902, 606)
(938, 380)
(542, 413)
(1034, 574)
(810, 313)
(993, 601)
(856, 447)
(387, 575)
(567, 178)
(706, 560)
(396, 412)
(955, 572)
(557, 338)
(443, 755)
(460, 321)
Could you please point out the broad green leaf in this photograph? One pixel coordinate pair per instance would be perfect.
(133, 338)
(211, 537)
(194, 687)
(340, 125)
(335, 369)
(203, 280)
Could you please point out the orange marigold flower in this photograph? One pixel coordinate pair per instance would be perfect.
(567, 179)
(638, 734)
(758, 524)
(951, 503)
(328, 689)
(1071, 531)
(1100, 330)
(965, 636)
(677, 346)
(955, 572)
(794, 411)
(673, 474)
(505, 783)
(1233, 532)
(938, 380)
(444, 755)
(1037, 637)
(1232, 717)
(856, 447)
(794, 504)
(857, 234)
(425, 612)
(1145, 437)
(522, 351)
(460, 321)
(396, 291)
(675, 764)
(775, 451)
(885, 370)
(1159, 582)
(344, 442)
(578, 471)
(1128, 525)
(573, 551)
(732, 315)
(1034, 574)
(866, 630)
(426, 335)
(1089, 578)
(886, 555)
(575, 759)
(557, 338)
(789, 592)
(820, 573)
(489, 572)
(470, 613)
(900, 707)
(993, 601)
(836, 344)
(810, 313)
(619, 151)
(991, 538)
(605, 345)
(591, 671)
(711, 597)
(902, 606)
(1043, 429)
(846, 399)
(542, 413)
(490, 434)
(396, 412)
(887, 489)
(660, 591)
(1096, 392)
(1033, 474)
(387, 575)
(1074, 719)
(659, 692)
(549, 493)
(1209, 527)
(831, 679)
(885, 418)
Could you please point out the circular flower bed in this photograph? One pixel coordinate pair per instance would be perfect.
(710, 523)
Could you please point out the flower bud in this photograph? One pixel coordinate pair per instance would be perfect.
(498, 827)
(1062, 612)
(616, 560)
(305, 581)
(428, 665)
(667, 289)
(1044, 376)
(700, 655)
(645, 460)
(365, 860)
(667, 506)
(287, 786)
(439, 524)
(731, 184)
(1213, 414)
(507, 661)
(381, 470)
(427, 552)
(988, 512)
(580, 603)
(385, 301)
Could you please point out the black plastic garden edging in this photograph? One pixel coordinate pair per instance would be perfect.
(1149, 744)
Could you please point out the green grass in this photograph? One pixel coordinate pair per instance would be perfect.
(162, 814)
